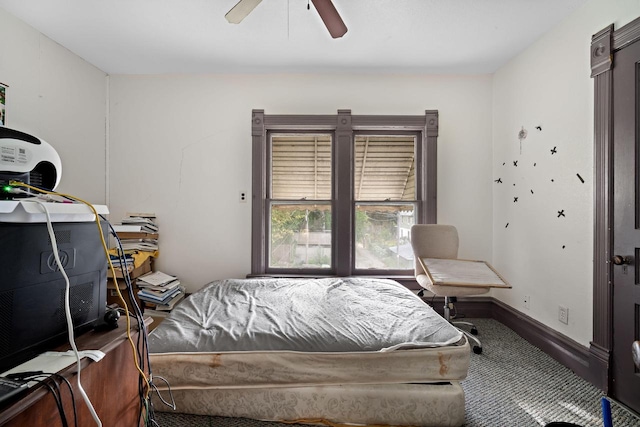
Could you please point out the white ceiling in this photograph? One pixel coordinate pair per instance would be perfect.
(385, 36)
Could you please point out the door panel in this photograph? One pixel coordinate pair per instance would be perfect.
(626, 215)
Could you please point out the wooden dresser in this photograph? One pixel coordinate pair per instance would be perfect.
(111, 384)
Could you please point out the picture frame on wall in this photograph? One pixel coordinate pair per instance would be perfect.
(3, 103)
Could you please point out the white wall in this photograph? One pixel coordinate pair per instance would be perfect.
(180, 146)
(546, 256)
(60, 98)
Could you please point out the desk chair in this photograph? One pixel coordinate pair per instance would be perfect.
(441, 241)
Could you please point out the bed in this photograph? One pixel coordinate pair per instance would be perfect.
(330, 350)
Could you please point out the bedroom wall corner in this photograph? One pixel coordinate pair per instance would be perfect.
(543, 169)
(59, 97)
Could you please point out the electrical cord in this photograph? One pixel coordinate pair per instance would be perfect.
(73, 399)
(34, 376)
(145, 403)
(142, 336)
(171, 405)
(56, 395)
(67, 309)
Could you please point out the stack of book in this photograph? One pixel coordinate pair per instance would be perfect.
(122, 263)
(138, 232)
(160, 292)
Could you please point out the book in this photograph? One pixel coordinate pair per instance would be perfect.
(162, 295)
(157, 278)
(142, 215)
(126, 265)
(158, 288)
(137, 220)
(158, 299)
(139, 244)
(126, 228)
(124, 235)
(134, 228)
(117, 260)
(171, 304)
(140, 221)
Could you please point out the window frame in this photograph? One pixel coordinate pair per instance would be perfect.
(342, 126)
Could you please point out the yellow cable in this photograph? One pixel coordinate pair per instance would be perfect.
(113, 273)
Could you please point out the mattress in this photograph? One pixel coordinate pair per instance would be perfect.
(285, 349)
(424, 405)
(284, 368)
(311, 315)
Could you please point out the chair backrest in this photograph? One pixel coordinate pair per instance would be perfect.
(433, 241)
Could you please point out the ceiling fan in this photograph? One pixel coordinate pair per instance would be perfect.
(325, 8)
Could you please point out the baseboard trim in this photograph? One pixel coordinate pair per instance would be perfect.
(562, 348)
(590, 364)
(479, 307)
(599, 364)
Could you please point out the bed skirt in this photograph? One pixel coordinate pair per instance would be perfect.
(439, 404)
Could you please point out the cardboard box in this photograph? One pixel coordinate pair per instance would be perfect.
(136, 272)
(155, 323)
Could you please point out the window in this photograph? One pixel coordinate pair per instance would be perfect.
(337, 194)
(299, 195)
(384, 191)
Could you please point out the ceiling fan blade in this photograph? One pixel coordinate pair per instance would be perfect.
(241, 10)
(330, 17)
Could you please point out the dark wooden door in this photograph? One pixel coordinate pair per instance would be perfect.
(626, 215)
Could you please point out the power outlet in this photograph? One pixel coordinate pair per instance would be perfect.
(563, 315)
(527, 300)
(243, 197)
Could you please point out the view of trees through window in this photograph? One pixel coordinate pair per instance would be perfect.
(301, 237)
(382, 237)
(300, 220)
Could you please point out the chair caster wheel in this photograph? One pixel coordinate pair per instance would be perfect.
(474, 331)
(477, 349)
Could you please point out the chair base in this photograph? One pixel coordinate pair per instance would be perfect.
(471, 335)
(477, 345)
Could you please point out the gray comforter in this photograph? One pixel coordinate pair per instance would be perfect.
(310, 315)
